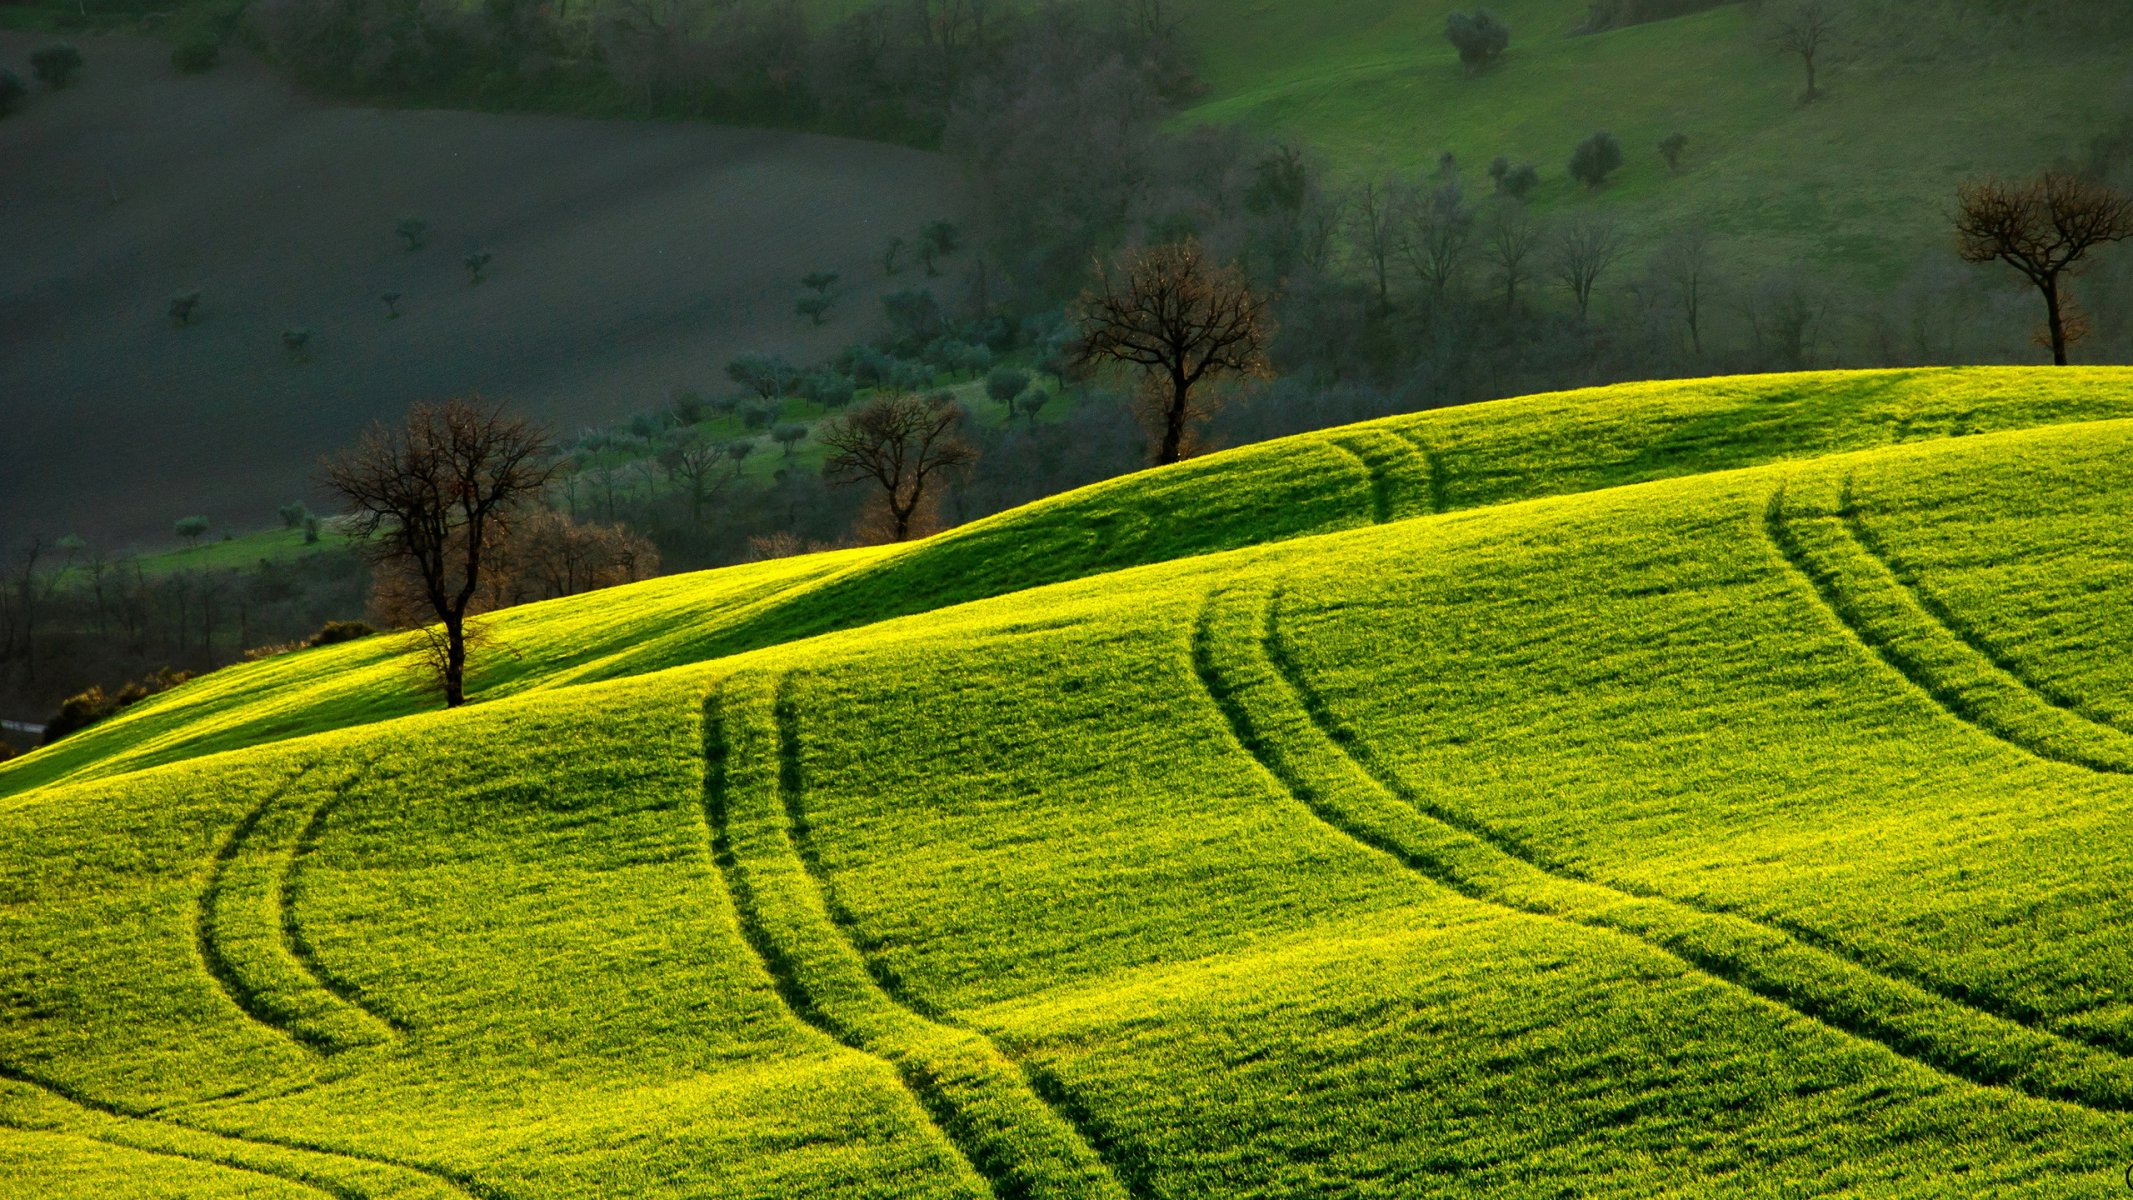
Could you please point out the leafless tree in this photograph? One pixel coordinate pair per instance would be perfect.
(1584, 250)
(1683, 269)
(1434, 232)
(704, 467)
(1182, 320)
(903, 445)
(432, 498)
(1804, 28)
(1377, 207)
(1510, 237)
(2043, 229)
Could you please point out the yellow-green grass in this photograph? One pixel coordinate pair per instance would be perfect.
(1856, 183)
(1631, 841)
(1435, 461)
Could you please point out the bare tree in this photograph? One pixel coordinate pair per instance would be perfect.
(1377, 207)
(1182, 320)
(431, 499)
(703, 466)
(1804, 28)
(1433, 233)
(1584, 250)
(1510, 237)
(901, 444)
(2043, 229)
(1683, 268)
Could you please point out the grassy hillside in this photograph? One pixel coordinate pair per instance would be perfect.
(631, 260)
(1437, 461)
(1699, 791)
(1855, 183)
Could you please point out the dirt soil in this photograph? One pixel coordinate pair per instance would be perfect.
(630, 259)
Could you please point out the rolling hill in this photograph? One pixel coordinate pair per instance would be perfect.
(1917, 98)
(1703, 788)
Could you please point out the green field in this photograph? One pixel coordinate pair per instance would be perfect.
(1853, 186)
(1703, 788)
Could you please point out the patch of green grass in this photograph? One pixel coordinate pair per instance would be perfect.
(1854, 184)
(1651, 791)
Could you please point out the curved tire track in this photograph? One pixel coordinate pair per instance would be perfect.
(296, 1000)
(232, 1146)
(983, 1103)
(1316, 763)
(1887, 617)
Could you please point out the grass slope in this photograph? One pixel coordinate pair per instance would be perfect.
(1692, 826)
(1855, 183)
(1429, 462)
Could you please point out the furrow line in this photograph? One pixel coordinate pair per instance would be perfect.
(322, 1187)
(298, 946)
(1283, 660)
(1871, 543)
(1272, 723)
(1439, 495)
(1883, 615)
(981, 1103)
(457, 1181)
(207, 914)
(1380, 490)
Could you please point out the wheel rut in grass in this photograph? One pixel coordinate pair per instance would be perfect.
(248, 937)
(988, 1108)
(346, 1174)
(1846, 571)
(1400, 475)
(1440, 500)
(1237, 657)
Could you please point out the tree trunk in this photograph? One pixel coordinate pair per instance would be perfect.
(2054, 321)
(455, 662)
(1174, 422)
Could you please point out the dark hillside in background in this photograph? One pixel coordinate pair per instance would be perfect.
(631, 259)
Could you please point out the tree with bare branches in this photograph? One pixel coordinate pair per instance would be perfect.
(1804, 28)
(1181, 319)
(2043, 229)
(703, 467)
(901, 444)
(1511, 238)
(1584, 249)
(431, 499)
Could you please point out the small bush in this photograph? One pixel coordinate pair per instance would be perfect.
(1671, 148)
(293, 514)
(311, 528)
(830, 389)
(1480, 36)
(183, 306)
(55, 65)
(195, 55)
(335, 632)
(789, 434)
(1519, 182)
(93, 704)
(191, 528)
(1595, 159)
(414, 231)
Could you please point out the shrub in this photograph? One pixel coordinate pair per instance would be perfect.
(687, 407)
(56, 64)
(191, 528)
(961, 357)
(311, 528)
(1519, 181)
(1499, 168)
(7, 750)
(1479, 36)
(756, 416)
(414, 231)
(335, 632)
(77, 712)
(297, 340)
(12, 90)
(183, 306)
(1671, 149)
(293, 514)
(1595, 159)
(195, 55)
(476, 262)
(788, 435)
(391, 301)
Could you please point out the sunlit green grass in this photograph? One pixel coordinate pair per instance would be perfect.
(1691, 807)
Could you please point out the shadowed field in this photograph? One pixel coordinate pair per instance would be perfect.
(630, 259)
